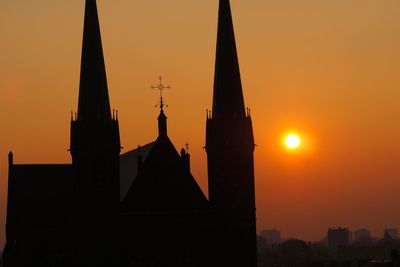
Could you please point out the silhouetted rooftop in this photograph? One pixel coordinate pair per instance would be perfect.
(44, 195)
(128, 163)
(163, 183)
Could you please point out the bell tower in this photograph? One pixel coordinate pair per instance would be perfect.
(95, 149)
(230, 151)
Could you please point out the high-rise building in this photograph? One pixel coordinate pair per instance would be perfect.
(362, 235)
(271, 236)
(338, 237)
(392, 232)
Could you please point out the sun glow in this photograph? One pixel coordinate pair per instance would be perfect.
(292, 141)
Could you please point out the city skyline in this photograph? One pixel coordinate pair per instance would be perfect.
(43, 85)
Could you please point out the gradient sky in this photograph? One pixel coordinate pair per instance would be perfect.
(328, 69)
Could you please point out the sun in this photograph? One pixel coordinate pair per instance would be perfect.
(292, 141)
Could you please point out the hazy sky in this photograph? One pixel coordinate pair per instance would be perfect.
(328, 69)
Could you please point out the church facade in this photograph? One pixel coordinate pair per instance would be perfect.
(144, 207)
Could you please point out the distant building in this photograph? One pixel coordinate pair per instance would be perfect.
(271, 236)
(362, 235)
(295, 253)
(338, 237)
(351, 237)
(392, 232)
(377, 252)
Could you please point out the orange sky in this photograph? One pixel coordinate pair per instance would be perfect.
(328, 69)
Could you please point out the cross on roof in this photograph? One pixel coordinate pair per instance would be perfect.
(161, 88)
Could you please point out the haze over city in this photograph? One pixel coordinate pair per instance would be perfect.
(325, 70)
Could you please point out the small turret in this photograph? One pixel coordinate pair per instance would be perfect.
(186, 157)
(162, 119)
(11, 220)
(10, 159)
(162, 124)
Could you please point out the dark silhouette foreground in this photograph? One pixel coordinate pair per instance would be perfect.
(143, 208)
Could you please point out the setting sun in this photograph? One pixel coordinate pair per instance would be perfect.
(292, 141)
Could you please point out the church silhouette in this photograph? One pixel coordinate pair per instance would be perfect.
(144, 207)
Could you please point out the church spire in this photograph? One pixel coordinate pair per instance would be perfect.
(230, 153)
(94, 102)
(228, 96)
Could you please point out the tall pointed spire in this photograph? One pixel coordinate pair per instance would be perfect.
(94, 102)
(230, 153)
(228, 96)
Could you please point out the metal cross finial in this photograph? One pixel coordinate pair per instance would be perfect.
(161, 88)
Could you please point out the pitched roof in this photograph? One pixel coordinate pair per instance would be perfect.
(163, 184)
(128, 163)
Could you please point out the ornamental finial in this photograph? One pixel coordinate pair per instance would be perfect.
(161, 87)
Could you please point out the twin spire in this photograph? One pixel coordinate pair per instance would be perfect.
(228, 96)
(94, 103)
